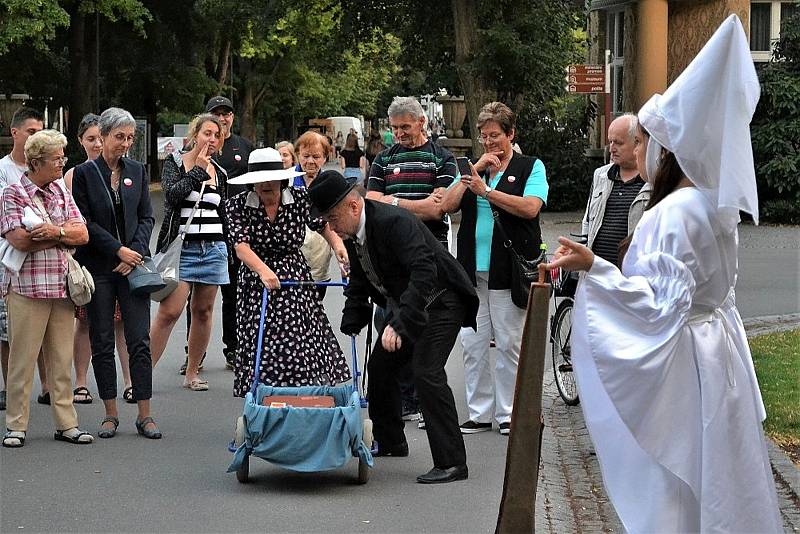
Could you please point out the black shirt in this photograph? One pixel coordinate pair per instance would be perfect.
(352, 158)
(235, 152)
(615, 218)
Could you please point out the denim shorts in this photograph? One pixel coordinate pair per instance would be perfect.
(352, 174)
(204, 262)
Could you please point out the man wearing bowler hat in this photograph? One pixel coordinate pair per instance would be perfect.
(396, 262)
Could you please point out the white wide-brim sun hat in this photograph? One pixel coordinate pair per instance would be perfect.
(265, 165)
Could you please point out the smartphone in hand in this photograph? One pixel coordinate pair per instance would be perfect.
(464, 166)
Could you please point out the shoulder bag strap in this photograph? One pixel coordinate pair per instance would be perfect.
(503, 235)
(182, 233)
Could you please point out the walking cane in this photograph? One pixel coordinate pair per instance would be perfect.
(517, 507)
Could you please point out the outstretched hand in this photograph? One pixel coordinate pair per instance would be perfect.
(571, 256)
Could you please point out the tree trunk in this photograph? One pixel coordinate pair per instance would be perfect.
(81, 83)
(477, 90)
(222, 62)
(247, 103)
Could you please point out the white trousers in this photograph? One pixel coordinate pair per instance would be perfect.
(490, 391)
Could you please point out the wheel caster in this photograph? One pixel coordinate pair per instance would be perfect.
(243, 473)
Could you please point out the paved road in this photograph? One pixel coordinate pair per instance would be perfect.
(179, 484)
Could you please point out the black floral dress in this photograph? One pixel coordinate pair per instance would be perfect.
(299, 347)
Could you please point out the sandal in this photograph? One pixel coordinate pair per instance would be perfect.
(128, 395)
(13, 439)
(149, 434)
(74, 435)
(196, 385)
(44, 398)
(182, 370)
(106, 433)
(83, 393)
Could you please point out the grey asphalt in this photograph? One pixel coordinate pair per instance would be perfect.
(179, 484)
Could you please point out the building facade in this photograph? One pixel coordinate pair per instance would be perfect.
(652, 41)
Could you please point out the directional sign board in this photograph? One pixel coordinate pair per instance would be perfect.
(585, 79)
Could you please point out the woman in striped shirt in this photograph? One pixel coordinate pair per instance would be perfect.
(194, 182)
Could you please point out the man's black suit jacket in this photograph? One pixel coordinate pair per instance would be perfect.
(410, 263)
(91, 195)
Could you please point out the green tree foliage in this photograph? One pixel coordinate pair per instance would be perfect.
(776, 129)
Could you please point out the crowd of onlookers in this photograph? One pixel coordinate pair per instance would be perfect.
(243, 218)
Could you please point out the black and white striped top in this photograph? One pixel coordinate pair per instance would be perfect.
(207, 223)
(615, 219)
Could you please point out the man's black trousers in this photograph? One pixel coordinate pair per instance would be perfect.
(428, 358)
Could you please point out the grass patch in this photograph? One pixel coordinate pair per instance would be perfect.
(777, 361)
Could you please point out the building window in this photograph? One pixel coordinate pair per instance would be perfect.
(766, 18)
(615, 42)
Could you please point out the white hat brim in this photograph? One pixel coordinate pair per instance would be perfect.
(256, 177)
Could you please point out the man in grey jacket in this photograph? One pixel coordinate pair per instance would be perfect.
(618, 195)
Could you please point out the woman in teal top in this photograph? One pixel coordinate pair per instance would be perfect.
(514, 186)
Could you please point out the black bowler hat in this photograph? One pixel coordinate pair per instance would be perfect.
(326, 191)
(218, 102)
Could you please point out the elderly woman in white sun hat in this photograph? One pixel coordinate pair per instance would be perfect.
(267, 225)
(661, 359)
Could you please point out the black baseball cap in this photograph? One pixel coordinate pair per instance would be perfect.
(218, 102)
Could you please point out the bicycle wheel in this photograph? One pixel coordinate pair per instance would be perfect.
(562, 356)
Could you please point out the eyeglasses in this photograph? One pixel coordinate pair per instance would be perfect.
(225, 114)
(59, 160)
(492, 137)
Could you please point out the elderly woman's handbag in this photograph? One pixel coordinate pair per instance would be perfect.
(145, 279)
(80, 284)
(524, 272)
(168, 262)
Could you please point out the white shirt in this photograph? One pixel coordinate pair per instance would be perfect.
(10, 171)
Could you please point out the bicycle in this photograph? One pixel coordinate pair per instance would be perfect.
(563, 294)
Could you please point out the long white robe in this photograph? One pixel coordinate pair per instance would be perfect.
(666, 379)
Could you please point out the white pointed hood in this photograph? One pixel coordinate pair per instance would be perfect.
(704, 119)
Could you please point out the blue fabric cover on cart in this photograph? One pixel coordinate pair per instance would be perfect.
(303, 439)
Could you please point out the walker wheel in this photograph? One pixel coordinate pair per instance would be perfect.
(363, 471)
(243, 473)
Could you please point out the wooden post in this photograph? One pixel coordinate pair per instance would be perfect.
(517, 507)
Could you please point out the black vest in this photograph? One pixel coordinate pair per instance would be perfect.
(525, 234)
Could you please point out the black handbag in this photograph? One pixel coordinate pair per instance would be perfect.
(524, 272)
(145, 278)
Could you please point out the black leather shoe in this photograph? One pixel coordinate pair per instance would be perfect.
(400, 450)
(437, 475)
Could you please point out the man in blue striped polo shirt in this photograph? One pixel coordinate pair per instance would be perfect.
(413, 174)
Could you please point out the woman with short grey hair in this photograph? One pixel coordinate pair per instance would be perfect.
(39, 310)
(113, 193)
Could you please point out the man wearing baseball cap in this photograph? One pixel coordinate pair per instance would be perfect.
(233, 158)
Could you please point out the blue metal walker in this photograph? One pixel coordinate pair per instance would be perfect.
(298, 438)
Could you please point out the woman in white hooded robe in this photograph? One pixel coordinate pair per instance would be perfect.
(661, 359)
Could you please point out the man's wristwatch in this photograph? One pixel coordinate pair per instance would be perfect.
(395, 201)
(486, 191)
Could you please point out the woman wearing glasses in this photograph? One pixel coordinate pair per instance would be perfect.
(515, 187)
(39, 310)
(92, 143)
(113, 194)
